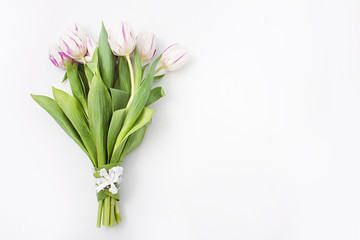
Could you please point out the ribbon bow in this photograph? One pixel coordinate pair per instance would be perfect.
(109, 178)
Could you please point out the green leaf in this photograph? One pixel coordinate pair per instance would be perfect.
(116, 123)
(90, 68)
(100, 111)
(138, 69)
(124, 75)
(139, 101)
(76, 84)
(85, 83)
(133, 141)
(142, 120)
(89, 74)
(157, 78)
(55, 111)
(119, 98)
(106, 59)
(117, 82)
(144, 69)
(116, 77)
(95, 58)
(64, 78)
(75, 113)
(155, 94)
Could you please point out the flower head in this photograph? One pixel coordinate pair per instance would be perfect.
(73, 42)
(75, 27)
(174, 57)
(146, 45)
(58, 57)
(122, 39)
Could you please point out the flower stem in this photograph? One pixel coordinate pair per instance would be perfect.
(106, 217)
(112, 212)
(83, 59)
(158, 70)
(117, 213)
(131, 79)
(100, 208)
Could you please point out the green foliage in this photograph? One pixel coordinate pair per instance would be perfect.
(88, 73)
(133, 141)
(159, 77)
(116, 123)
(100, 112)
(119, 98)
(134, 110)
(55, 111)
(92, 67)
(155, 94)
(143, 69)
(139, 101)
(142, 120)
(106, 59)
(124, 75)
(84, 82)
(76, 84)
(64, 78)
(75, 113)
(138, 69)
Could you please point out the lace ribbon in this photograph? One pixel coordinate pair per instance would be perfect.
(107, 181)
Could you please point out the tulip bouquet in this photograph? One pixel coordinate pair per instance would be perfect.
(108, 112)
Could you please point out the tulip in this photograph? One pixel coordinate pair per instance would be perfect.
(78, 29)
(58, 57)
(174, 57)
(73, 43)
(122, 39)
(91, 44)
(146, 45)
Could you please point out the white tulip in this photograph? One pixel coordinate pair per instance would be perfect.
(58, 57)
(73, 43)
(122, 39)
(146, 45)
(91, 43)
(75, 27)
(174, 57)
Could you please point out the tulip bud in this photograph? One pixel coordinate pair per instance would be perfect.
(146, 45)
(122, 39)
(174, 57)
(58, 57)
(73, 44)
(91, 44)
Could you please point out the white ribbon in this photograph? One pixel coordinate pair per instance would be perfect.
(109, 178)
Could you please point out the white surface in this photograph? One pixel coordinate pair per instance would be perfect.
(257, 138)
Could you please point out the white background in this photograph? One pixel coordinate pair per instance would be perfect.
(257, 138)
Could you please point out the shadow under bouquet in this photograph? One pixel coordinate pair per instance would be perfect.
(108, 112)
